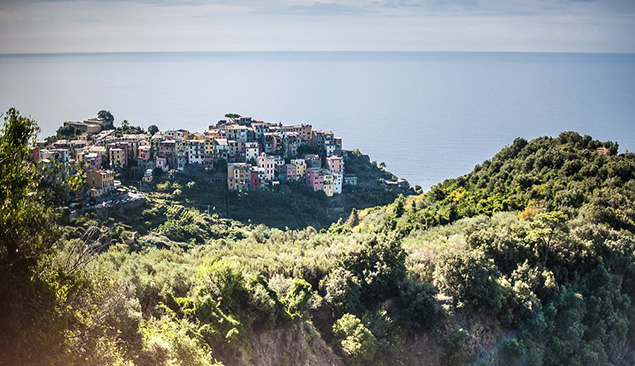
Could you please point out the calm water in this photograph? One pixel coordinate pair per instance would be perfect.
(429, 116)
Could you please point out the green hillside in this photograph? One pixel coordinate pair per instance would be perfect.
(527, 260)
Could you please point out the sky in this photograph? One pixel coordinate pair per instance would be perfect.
(67, 26)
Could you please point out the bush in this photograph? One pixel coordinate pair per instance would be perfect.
(379, 264)
(298, 297)
(471, 279)
(419, 308)
(343, 291)
(356, 342)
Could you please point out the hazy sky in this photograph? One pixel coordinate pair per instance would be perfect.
(42, 26)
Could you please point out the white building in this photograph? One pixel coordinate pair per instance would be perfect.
(268, 163)
(196, 152)
(251, 151)
(330, 149)
(338, 180)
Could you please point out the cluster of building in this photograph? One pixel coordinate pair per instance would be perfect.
(264, 154)
(258, 154)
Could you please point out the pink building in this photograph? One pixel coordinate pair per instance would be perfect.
(162, 163)
(144, 153)
(289, 172)
(335, 164)
(239, 176)
(315, 179)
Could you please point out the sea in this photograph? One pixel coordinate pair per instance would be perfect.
(428, 116)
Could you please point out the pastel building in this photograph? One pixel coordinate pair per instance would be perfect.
(100, 182)
(239, 133)
(92, 161)
(145, 152)
(167, 150)
(335, 164)
(300, 167)
(289, 172)
(208, 146)
(117, 158)
(328, 185)
(268, 163)
(238, 176)
(315, 178)
(221, 149)
(259, 129)
(338, 180)
(196, 152)
(304, 131)
(251, 151)
(161, 163)
(59, 155)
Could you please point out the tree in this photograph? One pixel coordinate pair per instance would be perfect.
(19, 180)
(353, 219)
(378, 265)
(399, 206)
(152, 129)
(548, 228)
(419, 307)
(28, 325)
(297, 300)
(357, 343)
(108, 118)
(418, 189)
(67, 132)
(471, 279)
(232, 115)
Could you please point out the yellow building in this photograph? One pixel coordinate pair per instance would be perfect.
(117, 158)
(300, 168)
(329, 185)
(100, 182)
(209, 147)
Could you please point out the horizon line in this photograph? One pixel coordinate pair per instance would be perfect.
(306, 51)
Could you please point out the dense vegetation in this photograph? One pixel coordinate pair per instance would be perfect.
(527, 260)
(538, 242)
(289, 205)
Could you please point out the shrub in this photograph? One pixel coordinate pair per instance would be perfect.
(471, 279)
(356, 342)
(298, 297)
(419, 308)
(379, 264)
(342, 291)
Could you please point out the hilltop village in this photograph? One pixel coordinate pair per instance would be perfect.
(257, 154)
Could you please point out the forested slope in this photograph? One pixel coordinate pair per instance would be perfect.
(526, 260)
(535, 245)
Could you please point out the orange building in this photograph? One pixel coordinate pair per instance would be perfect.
(100, 182)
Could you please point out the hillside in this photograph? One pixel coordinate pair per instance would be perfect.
(290, 205)
(526, 260)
